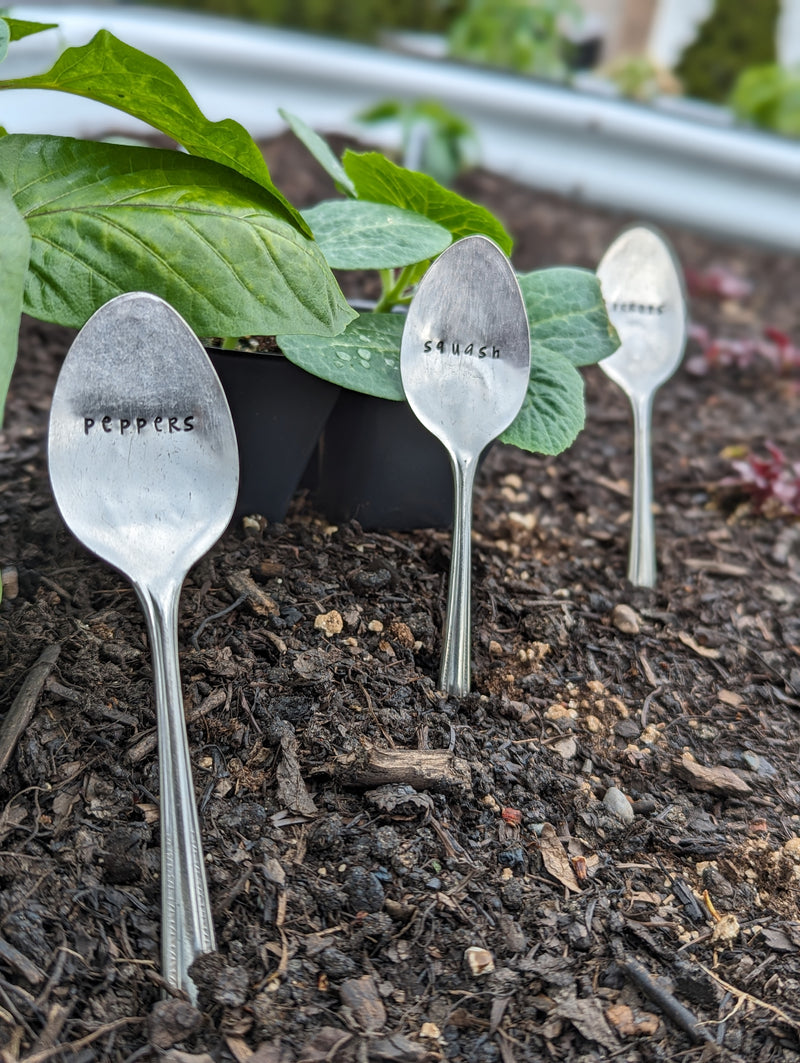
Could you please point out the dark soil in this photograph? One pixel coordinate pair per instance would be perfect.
(363, 831)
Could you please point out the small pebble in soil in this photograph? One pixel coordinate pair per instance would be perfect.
(480, 961)
(329, 623)
(625, 619)
(618, 804)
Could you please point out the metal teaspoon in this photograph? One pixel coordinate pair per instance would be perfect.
(465, 364)
(144, 469)
(643, 289)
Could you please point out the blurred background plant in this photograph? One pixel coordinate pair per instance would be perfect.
(361, 21)
(434, 140)
(528, 38)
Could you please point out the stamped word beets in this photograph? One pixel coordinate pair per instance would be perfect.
(638, 308)
(471, 350)
(138, 425)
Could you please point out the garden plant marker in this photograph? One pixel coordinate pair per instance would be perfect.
(465, 363)
(144, 469)
(643, 289)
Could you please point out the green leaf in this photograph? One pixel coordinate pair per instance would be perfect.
(365, 357)
(111, 218)
(381, 181)
(108, 70)
(320, 149)
(567, 315)
(553, 413)
(13, 268)
(5, 37)
(354, 234)
(22, 28)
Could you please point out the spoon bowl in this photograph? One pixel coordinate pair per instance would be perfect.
(144, 469)
(465, 366)
(642, 285)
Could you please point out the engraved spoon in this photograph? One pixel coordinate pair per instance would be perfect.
(643, 288)
(465, 364)
(144, 469)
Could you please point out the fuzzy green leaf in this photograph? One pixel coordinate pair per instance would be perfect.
(20, 28)
(5, 37)
(355, 234)
(381, 181)
(553, 412)
(108, 70)
(567, 315)
(111, 218)
(13, 268)
(365, 357)
(320, 149)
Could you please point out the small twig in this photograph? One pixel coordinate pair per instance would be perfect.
(744, 995)
(663, 999)
(76, 1046)
(22, 709)
(217, 616)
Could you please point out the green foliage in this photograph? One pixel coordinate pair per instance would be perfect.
(361, 21)
(734, 37)
(365, 357)
(521, 35)
(378, 179)
(569, 328)
(208, 231)
(434, 139)
(13, 270)
(111, 218)
(108, 70)
(355, 234)
(567, 315)
(769, 96)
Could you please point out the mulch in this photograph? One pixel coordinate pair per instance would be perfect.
(595, 855)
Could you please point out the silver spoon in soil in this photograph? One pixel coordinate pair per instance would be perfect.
(643, 289)
(465, 364)
(144, 469)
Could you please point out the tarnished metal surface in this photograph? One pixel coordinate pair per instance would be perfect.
(465, 363)
(144, 469)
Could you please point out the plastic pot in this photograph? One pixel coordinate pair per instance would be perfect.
(378, 465)
(279, 412)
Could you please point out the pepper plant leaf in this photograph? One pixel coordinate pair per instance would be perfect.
(378, 179)
(108, 70)
(553, 412)
(567, 315)
(355, 234)
(13, 269)
(20, 27)
(111, 218)
(5, 37)
(321, 151)
(365, 357)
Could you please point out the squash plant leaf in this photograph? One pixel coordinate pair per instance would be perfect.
(13, 268)
(355, 234)
(108, 70)
(378, 179)
(111, 218)
(552, 413)
(321, 151)
(567, 315)
(365, 357)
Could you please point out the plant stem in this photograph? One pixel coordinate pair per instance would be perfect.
(395, 283)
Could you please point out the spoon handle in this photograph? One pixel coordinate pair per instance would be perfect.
(642, 559)
(455, 673)
(187, 928)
